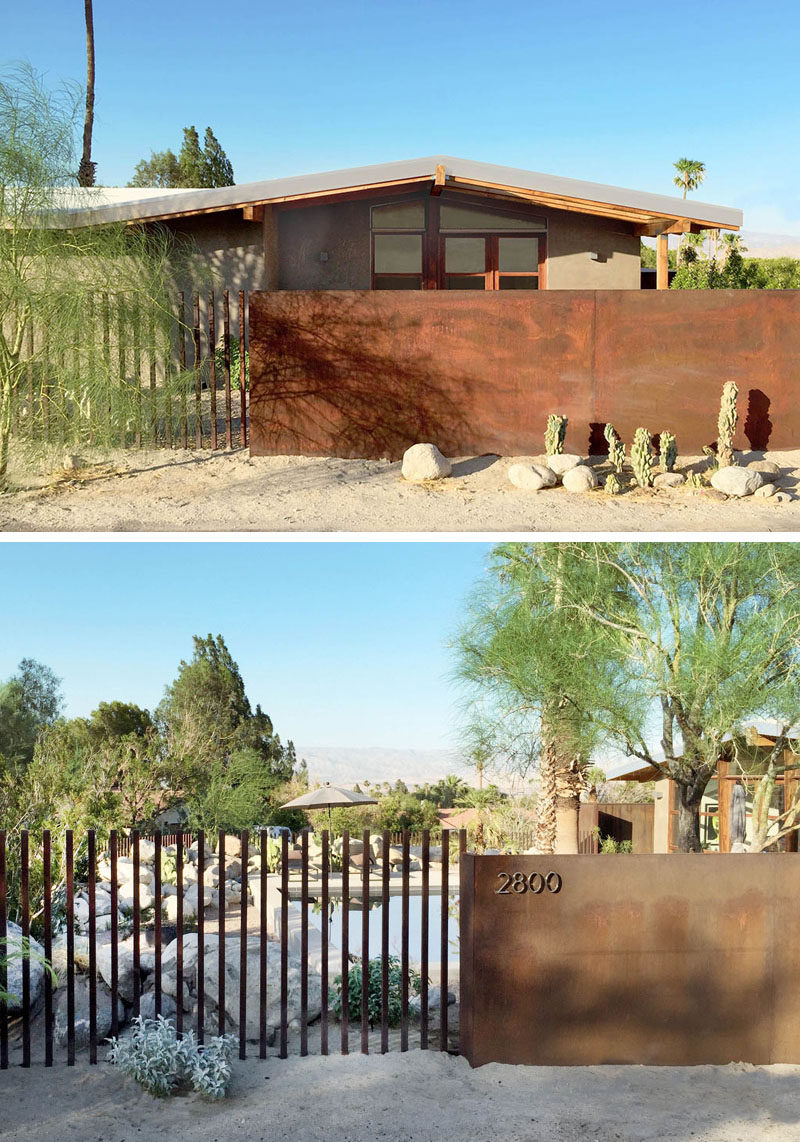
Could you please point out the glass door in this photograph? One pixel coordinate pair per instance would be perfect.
(490, 262)
(467, 263)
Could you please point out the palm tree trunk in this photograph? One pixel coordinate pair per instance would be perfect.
(546, 823)
(87, 168)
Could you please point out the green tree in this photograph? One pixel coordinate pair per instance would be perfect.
(30, 701)
(160, 170)
(52, 278)
(689, 174)
(217, 168)
(703, 635)
(190, 160)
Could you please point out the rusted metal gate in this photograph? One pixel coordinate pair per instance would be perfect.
(359, 882)
(680, 959)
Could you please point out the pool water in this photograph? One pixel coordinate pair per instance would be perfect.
(395, 926)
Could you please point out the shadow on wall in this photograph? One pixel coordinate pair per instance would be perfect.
(326, 378)
(757, 425)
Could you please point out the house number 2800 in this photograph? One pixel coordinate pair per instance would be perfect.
(534, 882)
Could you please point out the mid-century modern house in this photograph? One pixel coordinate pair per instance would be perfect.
(651, 827)
(431, 223)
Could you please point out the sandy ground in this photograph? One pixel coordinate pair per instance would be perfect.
(412, 1098)
(205, 491)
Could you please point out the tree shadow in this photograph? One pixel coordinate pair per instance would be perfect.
(343, 374)
(475, 464)
(757, 425)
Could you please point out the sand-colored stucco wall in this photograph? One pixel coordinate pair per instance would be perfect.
(341, 231)
(231, 249)
(570, 240)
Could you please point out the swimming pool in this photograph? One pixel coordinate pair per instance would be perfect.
(395, 926)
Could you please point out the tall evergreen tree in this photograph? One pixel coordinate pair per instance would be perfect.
(190, 159)
(218, 169)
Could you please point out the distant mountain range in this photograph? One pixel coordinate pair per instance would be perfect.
(342, 765)
(771, 245)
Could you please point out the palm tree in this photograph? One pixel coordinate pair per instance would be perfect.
(87, 167)
(690, 174)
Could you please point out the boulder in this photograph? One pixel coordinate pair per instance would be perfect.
(147, 1005)
(103, 1008)
(562, 462)
(102, 902)
(735, 481)
(765, 467)
(147, 851)
(765, 491)
(668, 480)
(14, 969)
(190, 897)
(434, 1001)
(425, 462)
(126, 979)
(531, 477)
(59, 954)
(783, 497)
(579, 479)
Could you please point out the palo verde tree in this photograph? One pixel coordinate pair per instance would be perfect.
(60, 375)
(704, 637)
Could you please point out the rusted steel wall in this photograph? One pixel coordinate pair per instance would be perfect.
(366, 374)
(673, 960)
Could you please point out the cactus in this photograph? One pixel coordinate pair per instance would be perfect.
(694, 480)
(669, 451)
(616, 448)
(726, 424)
(642, 458)
(713, 458)
(554, 434)
(613, 486)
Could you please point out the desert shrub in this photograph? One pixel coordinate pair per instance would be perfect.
(219, 364)
(374, 969)
(159, 1061)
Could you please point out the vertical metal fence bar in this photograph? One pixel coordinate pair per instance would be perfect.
(31, 372)
(201, 936)
(105, 317)
(157, 921)
(221, 929)
(424, 933)
(112, 848)
(151, 335)
(179, 933)
(121, 355)
(304, 946)
(198, 382)
(48, 945)
(25, 917)
(345, 1024)
(244, 861)
(385, 944)
(137, 926)
(136, 331)
(91, 887)
(284, 946)
(404, 957)
(3, 965)
(323, 1033)
(226, 353)
(444, 945)
(366, 858)
(183, 413)
(262, 949)
(212, 370)
(242, 370)
(70, 919)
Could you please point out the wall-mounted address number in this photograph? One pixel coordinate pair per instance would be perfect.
(534, 882)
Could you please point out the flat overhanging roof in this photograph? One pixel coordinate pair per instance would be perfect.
(651, 213)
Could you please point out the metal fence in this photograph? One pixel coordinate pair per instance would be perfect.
(208, 409)
(341, 869)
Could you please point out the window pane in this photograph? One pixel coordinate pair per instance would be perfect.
(398, 253)
(456, 282)
(389, 281)
(523, 281)
(399, 216)
(520, 254)
(465, 255)
(454, 217)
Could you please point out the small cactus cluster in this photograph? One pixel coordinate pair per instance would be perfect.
(616, 448)
(694, 480)
(612, 485)
(712, 456)
(642, 458)
(554, 434)
(726, 424)
(669, 451)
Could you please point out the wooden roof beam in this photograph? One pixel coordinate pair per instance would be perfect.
(439, 179)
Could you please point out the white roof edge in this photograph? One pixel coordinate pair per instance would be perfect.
(220, 198)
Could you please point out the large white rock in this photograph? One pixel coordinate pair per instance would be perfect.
(102, 902)
(190, 897)
(14, 970)
(126, 979)
(103, 1008)
(562, 462)
(531, 477)
(579, 479)
(765, 491)
(765, 467)
(425, 462)
(735, 481)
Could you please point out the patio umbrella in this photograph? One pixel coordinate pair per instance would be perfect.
(327, 797)
(738, 815)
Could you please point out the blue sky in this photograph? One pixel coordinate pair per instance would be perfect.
(343, 644)
(608, 92)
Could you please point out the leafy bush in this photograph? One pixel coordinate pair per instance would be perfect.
(162, 1063)
(219, 364)
(374, 991)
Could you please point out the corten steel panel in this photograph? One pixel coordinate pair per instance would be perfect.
(360, 373)
(677, 960)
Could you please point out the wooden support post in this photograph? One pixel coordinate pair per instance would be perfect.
(662, 262)
(724, 794)
(791, 779)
